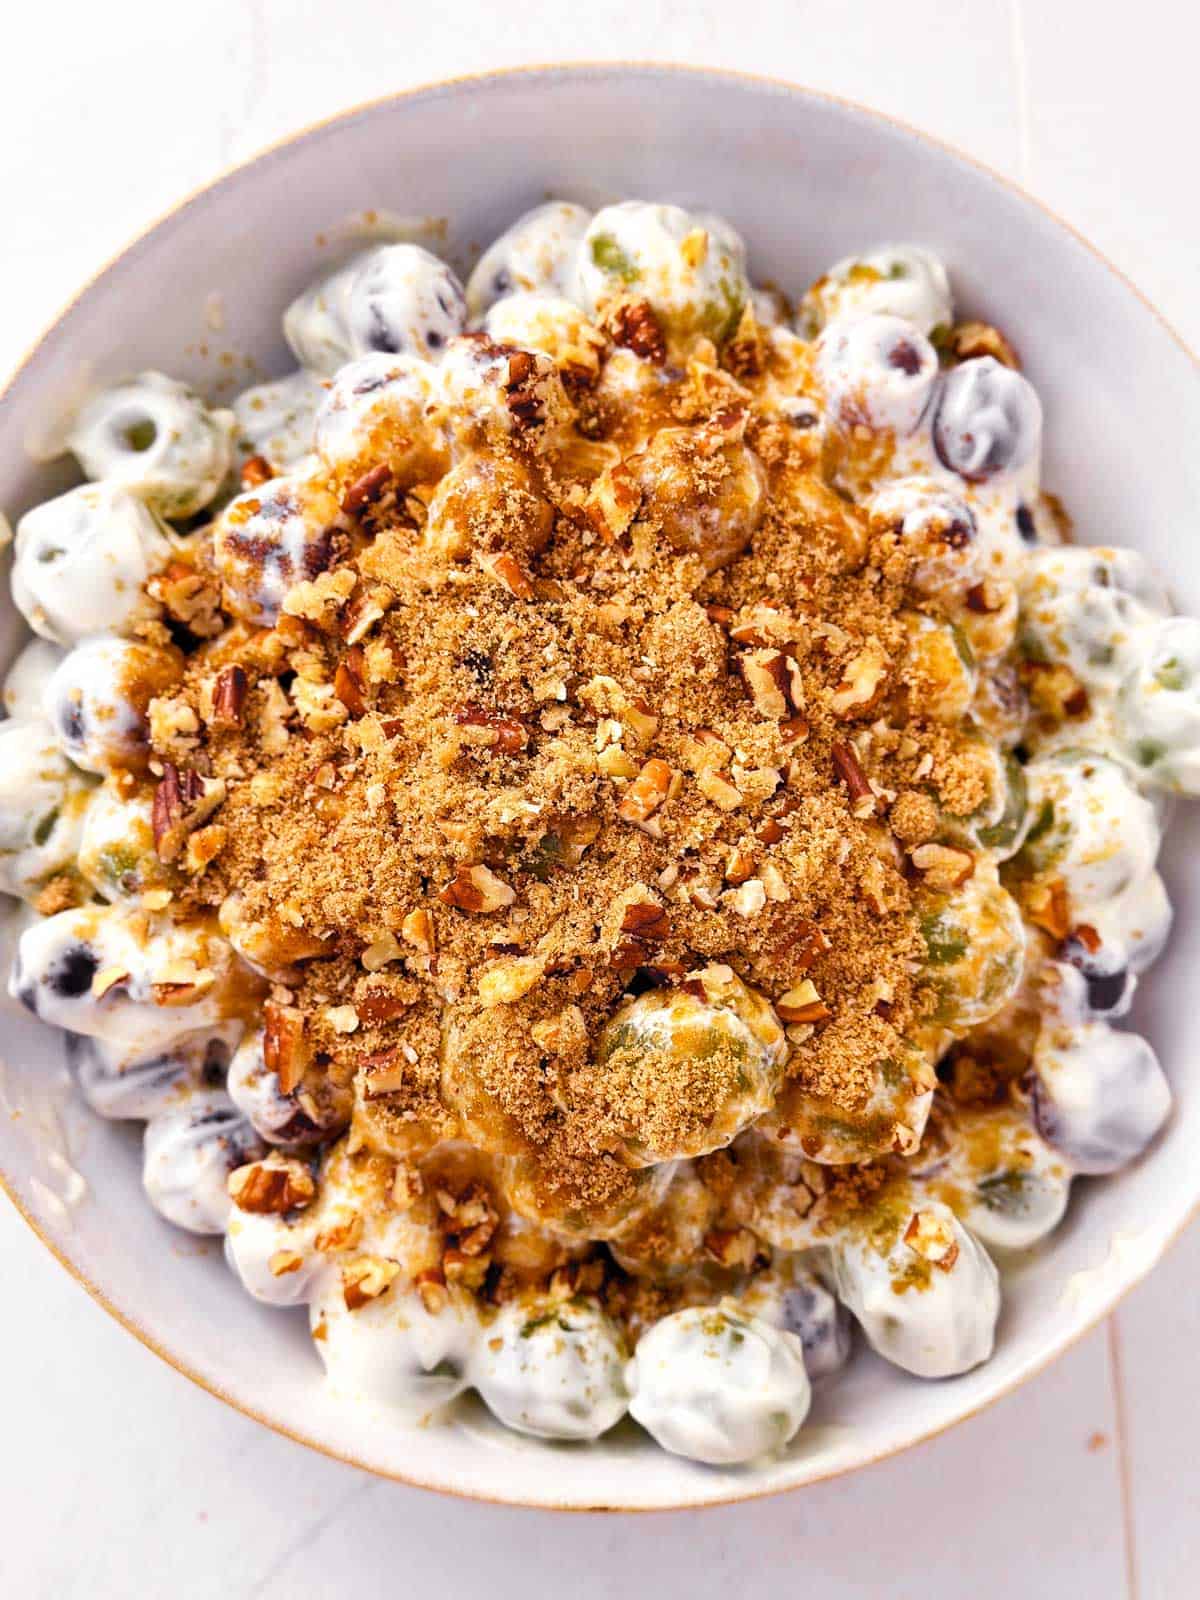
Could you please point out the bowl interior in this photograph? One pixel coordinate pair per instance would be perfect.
(806, 180)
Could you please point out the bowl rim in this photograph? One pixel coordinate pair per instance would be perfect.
(229, 173)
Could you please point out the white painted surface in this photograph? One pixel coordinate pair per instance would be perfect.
(123, 1480)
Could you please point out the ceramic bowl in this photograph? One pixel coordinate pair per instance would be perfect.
(806, 180)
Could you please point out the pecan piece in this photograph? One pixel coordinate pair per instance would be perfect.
(646, 793)
(348, 681)
(1047, 905)
(943, 866)
(182, 801)
(509, 733)
(774, 682)
(418, 929)
(744, 354)
(646, 920)
(527, 389)
(967, 340)
(377, 1005)
(863, 682)
(255, 471)
(366, 1278)
(932, 1239)
(285, 1047)
(478, 889)
(229, 695)
(848, 769)
(383, 1074)
(632, 324)
(802, 1004)
(504, 568)
(277, 1184)
(366, 490)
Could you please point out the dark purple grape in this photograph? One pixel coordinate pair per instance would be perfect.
(988, 420)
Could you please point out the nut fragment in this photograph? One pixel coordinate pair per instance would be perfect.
(967, 340)
(431, 1286)
(229, 695)
(506, 981)
(646, 920)
(107, 979)
(646, 793)
(366, 1278)
(277, 1184)
(943, 866)
(182, 801)
(504, 568)
(418, 929)
(255, 471)
(802, 1004)
(632, 324)
(848, 769)
(285, 1048)
(383, 1074)
(366, 490)
(863, 681)
(613, 501)
(731, 1247)
(478, 889)
(348, 681)
(1047, 905)
(744, 354)
(505, 733)
(932, 1238)
(774, 682)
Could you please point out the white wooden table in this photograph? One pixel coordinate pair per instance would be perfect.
(122, 1480)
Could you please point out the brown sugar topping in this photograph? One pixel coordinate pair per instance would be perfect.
(608, 700)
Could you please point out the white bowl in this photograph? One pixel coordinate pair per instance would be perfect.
(806, 180)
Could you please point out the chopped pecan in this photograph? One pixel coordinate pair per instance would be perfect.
(613, 501)
(255, 471)
(967, 340)
(863, 681)
(1047, 905)
(431, 1286)
(285, 1046)
(646, 920)
(513, 976)
(525, 388)
(229, 695)
(348, 681)
(509, 733)
(182, 801)
(932, 1238)
(802, 1004)
(378, 1005)
(943, 866)
(366, 490)
(632, 324)
(382, 1074)
(774, 682)
(418, 929)
(366, 1278)
(646, 793)
(504, 568)
(849, 770)
(731, 1247)
(477, 888)
(275, 1185)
